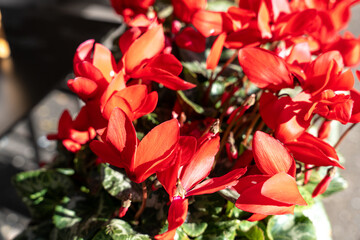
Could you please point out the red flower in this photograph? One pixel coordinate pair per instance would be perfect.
(185, 9)
(130, 8)
(120, 147)
(275, 192)
(190, 39)
(74, 133)
(324, 183)
(134, 100)
(312, 150)
(184, 178)
(259, 65)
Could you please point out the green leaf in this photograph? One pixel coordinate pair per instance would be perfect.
(41, 190)
(307, 197)
(196, 67)
(291, 227)
(152, 117)
(118, 229)
(194, 229)
(66, 171)
(63, 217)
(219, 6)
(255, 233)
(197, 108)
(222, 230)
(217, 88)
(180, 234)
(81, 216)
(245, 226)
(114, 182)
(317, 215)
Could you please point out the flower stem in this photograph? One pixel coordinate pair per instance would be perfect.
(213, 79)
(143, 204)
(344, 135)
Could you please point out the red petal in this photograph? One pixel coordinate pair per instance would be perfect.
(256, 217)
(241, 14)
(81, 137)
(244, 159)
(104, 61)
(245, 37)
(108, 154)
(216, 184)
(291, 122)
(269, 104)
(81, 122)
(65, 124)
(296, 24)
(87, 70)
(251, 200)
(95, 118)
(300, 53)
(156, 150)
(83, 52)
(116, 84)
(324, 130)
(215, 52)
(263, 20)
(310, 154)
(340, 14)
(121, 134)
(83, 87)
(282, 187)
(164, 77)
(349, 49)
(270, 155)
(191, 39)
(322, 186)
(250, 181)
(259, 64)
(210, 23)
(169, 177)
(323, 146)
(145, 47)
(167, 62)
(344, 82)
(201, 164)
(119, 102)
(71, 146)
(134, 95)
(355, 95)
(280, 6)
(128, 38)
(148, 105)
(176, 217)
(184, 9)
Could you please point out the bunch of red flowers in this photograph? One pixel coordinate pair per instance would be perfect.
(293, 74)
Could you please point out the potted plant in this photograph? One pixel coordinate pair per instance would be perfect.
(207, 120)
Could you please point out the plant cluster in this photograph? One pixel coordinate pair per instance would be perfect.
(208, 119)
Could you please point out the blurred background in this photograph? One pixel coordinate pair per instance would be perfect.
(38, 39)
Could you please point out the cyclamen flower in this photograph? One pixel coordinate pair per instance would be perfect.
(273, 192)
(120, 147)
(75, 133)
(184, 178)
(104, 84)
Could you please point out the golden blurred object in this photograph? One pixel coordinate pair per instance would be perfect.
(4, 48)
(4, 45)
